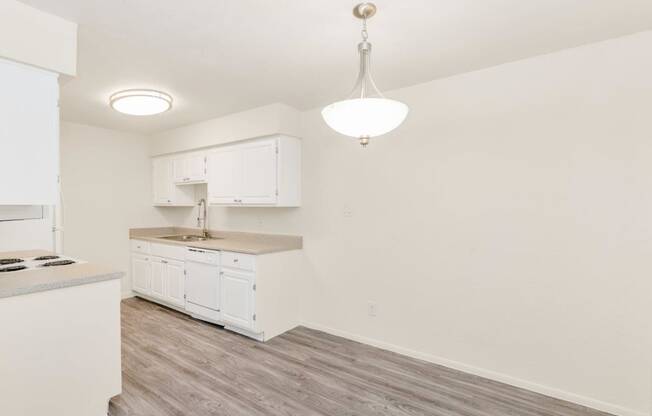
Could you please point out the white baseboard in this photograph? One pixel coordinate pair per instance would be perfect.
(503, 378)
(127, 295)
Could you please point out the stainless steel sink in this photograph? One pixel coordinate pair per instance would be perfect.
(189, 238)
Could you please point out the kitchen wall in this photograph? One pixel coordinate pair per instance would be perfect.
(106, 185)
(504, 229)
(33, 37)
(261, 121)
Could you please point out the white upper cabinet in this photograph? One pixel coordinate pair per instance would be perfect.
(160, 177)
(29, 135)
(190, 168)
(166, 192)
(260, 172)
(224, 175)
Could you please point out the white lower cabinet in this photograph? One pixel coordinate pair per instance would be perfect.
(176, 283)
(158, 278)
(168, 281)
(237, 298)
(224, 292)
(141, 273)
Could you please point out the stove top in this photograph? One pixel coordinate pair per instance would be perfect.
(4, 262)
(33, 263)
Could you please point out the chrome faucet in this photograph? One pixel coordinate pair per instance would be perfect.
(202, 221)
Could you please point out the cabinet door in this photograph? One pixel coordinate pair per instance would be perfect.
(159, 271)
(161, 178)
(259, 173)
(224, 175)
(141, 274)
(179, 170)
(175, 283)
(195, 167)
(237, 298)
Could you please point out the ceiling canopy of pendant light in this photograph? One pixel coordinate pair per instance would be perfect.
(366, 112)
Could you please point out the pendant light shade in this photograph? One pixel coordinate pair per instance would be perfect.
(366, 112)
(365, 117)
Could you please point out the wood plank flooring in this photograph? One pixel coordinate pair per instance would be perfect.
(174, 365)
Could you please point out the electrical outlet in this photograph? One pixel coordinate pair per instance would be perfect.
(348, 213)
(372, 309)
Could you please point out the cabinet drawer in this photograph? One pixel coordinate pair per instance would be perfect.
(238, 260)
(139, 246)
(168, 251)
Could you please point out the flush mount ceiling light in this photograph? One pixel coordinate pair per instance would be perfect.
(366, 112)
(140, 102)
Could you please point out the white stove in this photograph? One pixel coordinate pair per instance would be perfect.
(15, 265)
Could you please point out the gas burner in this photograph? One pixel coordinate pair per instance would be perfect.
(5, 262)
(12, 268)
(46, 258)
(58, 263)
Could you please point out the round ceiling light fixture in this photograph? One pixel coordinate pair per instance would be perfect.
(141, 102)
(365, 113)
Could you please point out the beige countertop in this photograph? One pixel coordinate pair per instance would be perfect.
(39, 280)
(249, 243)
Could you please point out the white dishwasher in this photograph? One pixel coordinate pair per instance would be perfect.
(203, 284)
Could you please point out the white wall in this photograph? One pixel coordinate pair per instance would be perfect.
(505, 226)
(33, 37)
(106, 184)
(261, 121)
(504, 229)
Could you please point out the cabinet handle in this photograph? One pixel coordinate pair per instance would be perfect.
(235, 260)
(164, 261)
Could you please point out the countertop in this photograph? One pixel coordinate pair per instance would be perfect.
(40, 280)
(239, 242)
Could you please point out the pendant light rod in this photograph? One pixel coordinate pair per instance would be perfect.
(365, 85)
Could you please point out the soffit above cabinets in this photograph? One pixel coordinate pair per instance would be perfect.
(36, 38)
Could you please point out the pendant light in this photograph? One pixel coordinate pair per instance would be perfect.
(366, 112)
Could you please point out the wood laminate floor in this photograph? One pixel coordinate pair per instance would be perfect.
(174, 365)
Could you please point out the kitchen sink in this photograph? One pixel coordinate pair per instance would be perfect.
(189, 238)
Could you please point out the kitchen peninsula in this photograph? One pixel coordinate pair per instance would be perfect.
(60, 344)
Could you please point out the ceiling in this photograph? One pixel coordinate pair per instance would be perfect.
(222, 56)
